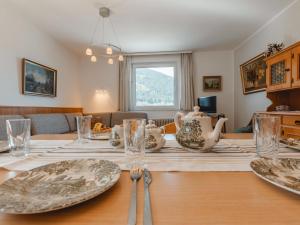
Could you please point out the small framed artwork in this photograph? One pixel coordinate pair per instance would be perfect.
(212, 83)
(38, 79)
(253, 75)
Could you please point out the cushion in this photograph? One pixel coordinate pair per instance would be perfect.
(104, 118)
(3, 118)
(71, 118)
(48, 123)
(118, 117)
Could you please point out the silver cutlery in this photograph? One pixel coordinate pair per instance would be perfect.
(147, 203)
(135, 175)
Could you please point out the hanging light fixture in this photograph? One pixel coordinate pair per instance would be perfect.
(109, 51)
(94, 58)
(89, 52)
(121, 58)
(110, 61)
(110, 48)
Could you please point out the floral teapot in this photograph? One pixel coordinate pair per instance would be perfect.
(195, 132)
(154, 139)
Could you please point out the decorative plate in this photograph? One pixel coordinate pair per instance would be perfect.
(4, 146)
(57, 185)
(293, 145)
(284, 173)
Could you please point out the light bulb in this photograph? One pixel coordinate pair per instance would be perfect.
(121, 58)
(94, 58)
(109, 51)
(110, 61)
(88, 52)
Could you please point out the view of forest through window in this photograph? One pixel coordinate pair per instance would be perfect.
(155, 86)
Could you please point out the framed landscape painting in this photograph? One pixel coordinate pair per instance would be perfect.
(38, 79)
(253, 74)
(212, 83)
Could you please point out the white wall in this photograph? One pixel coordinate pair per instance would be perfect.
(21, 39)
(99, 85)
(284, 28)
(215, 63)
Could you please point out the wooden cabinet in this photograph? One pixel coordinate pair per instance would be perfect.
(279, 72)
(296, 67)
(290, 123)
(283, 69)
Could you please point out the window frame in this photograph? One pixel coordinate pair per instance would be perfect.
(133, 105)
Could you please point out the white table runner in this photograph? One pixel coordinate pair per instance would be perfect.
(227, 155)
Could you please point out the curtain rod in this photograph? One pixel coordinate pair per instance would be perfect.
(156, 53)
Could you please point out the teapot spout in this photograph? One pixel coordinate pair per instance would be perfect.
(217, 131)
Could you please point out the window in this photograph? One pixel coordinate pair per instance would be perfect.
(154, 86)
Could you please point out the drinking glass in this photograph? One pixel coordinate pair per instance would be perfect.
(83, 128)
(134, 140)
(18, 133)
(267, 134)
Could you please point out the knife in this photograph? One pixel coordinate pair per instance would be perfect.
(147, 202)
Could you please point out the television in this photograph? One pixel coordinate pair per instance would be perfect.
(208, 104)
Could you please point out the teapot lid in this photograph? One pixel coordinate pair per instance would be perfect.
(196, 112)
(151, 125)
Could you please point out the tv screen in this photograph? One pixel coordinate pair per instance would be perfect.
(208, 104)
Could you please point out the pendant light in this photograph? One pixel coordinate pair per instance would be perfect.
(94, 58)
(111, 50)
(89, 52)
(110, 61)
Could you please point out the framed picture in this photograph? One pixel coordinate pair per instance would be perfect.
(253, 74)
(38, 79)
(212, 83)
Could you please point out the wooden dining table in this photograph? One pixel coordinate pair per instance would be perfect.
(178, 198)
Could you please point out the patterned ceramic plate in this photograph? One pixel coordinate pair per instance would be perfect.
(57, 185)
(295, 145)
(285, 173)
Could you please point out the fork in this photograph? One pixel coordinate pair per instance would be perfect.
(135, 175)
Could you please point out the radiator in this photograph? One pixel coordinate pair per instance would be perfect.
(162, 122)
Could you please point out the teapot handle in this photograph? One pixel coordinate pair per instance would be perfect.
(178, 120)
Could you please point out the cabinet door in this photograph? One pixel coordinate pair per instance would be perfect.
(279, 72)
(296, 67)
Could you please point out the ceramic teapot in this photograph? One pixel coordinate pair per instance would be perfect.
(117, 137)
(195, 132)
(154, 139)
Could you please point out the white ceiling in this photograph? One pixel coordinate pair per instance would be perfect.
(153, 25)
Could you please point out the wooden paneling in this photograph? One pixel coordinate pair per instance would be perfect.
(291, 132)
(291, 120)
(22, 110)
(296, 67)
(288, 97)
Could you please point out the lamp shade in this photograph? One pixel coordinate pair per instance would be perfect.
(94, 58)
(88, 52)
(109, 51)
(110, 61)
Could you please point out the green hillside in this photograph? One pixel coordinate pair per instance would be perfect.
(153, 87)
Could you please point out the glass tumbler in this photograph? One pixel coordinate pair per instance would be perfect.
(134, 140)
(267, 134)
(18, 134)
(83, 127)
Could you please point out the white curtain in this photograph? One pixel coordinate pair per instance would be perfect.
(187, 98)
(124, 84)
